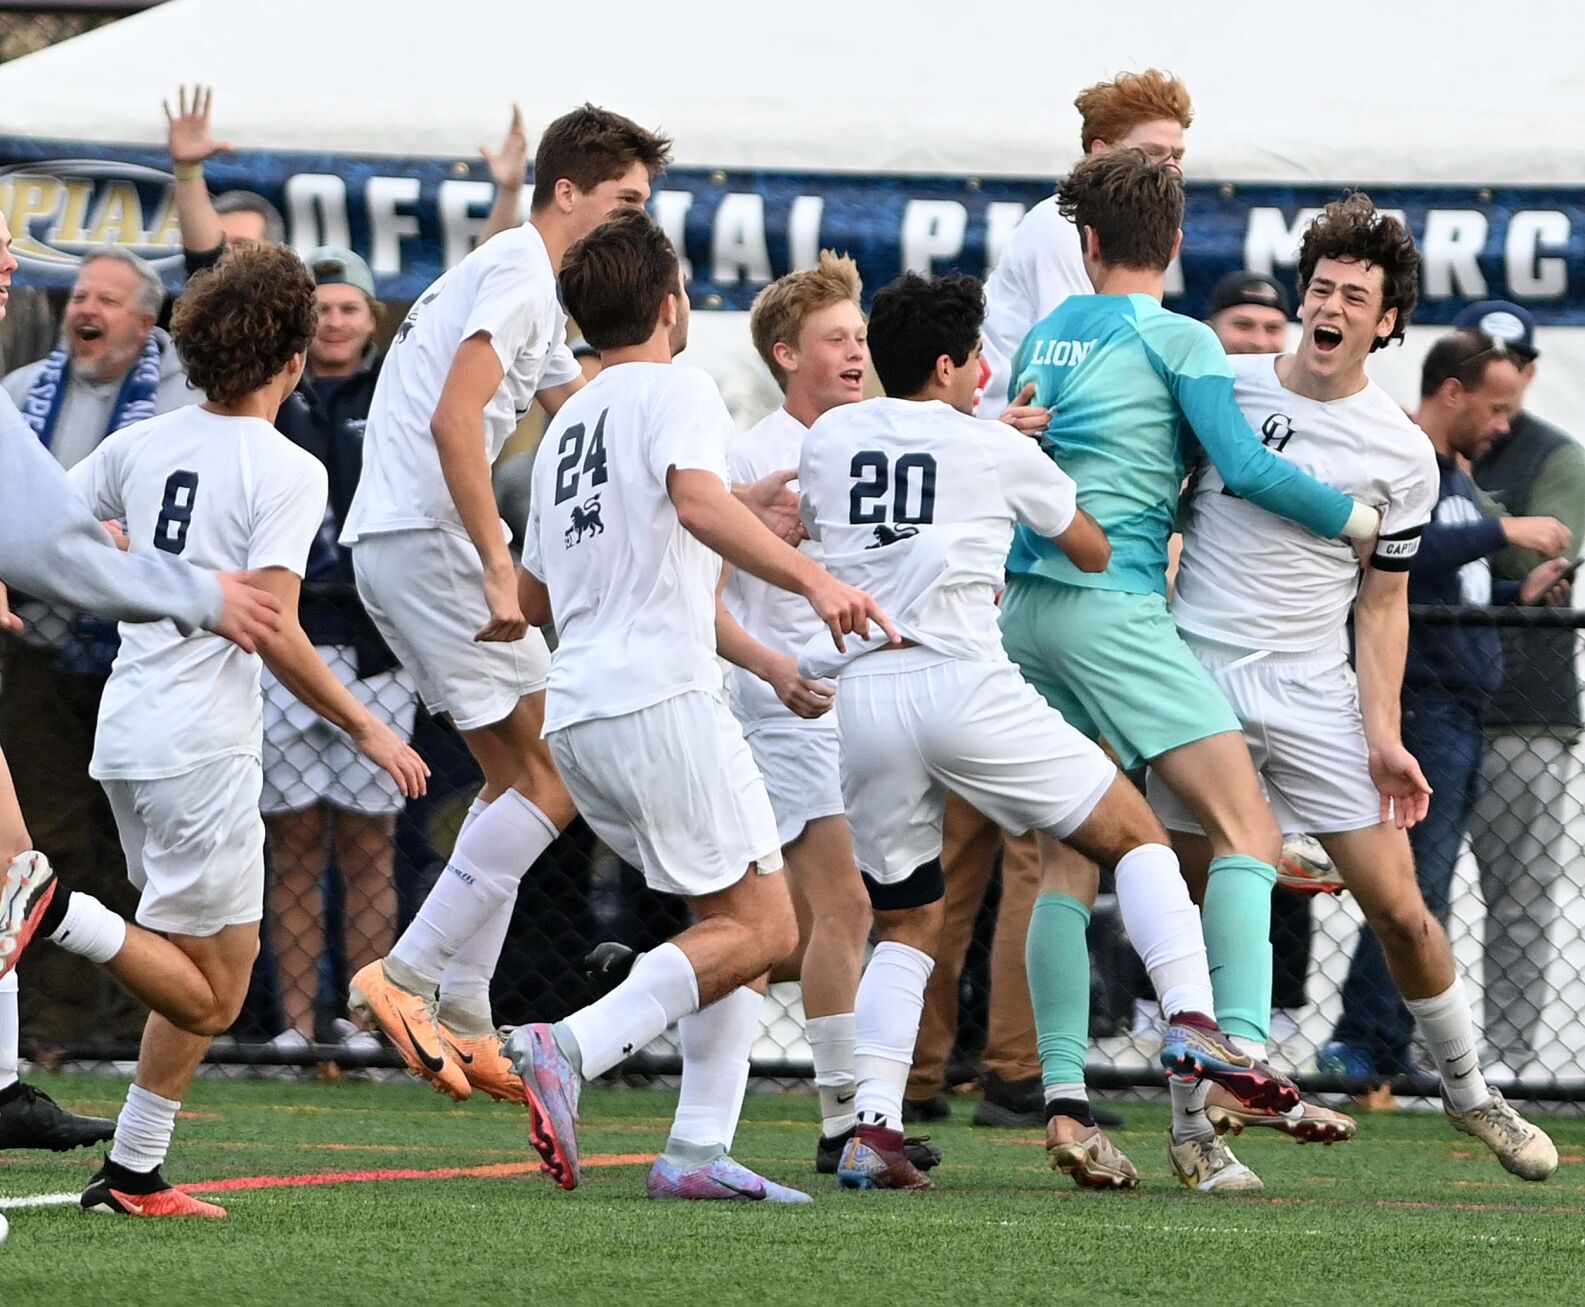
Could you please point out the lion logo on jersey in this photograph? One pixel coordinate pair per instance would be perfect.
(890, 535)
(585, 521)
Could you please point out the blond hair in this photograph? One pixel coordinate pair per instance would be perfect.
(781, 309)
(1111, 110)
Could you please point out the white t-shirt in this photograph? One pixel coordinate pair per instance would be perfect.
(633, 594)
(1253, 580)
(915, 503)
(777, 618)
(1040, 267)
(507, 288)
(227, 494)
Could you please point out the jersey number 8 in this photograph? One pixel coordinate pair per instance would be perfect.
(176, 512)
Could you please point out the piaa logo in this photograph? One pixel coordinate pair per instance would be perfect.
(61, 209)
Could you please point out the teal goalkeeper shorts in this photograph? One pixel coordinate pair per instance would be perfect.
(1114, 665)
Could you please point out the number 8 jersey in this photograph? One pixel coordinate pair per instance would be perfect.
(915, 502)
(632, 593)
(224, 493)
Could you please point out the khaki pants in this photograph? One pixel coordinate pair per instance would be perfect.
(968, 854)
(47, 721)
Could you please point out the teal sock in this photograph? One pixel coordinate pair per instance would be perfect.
(1237, 924)
(1058, 961)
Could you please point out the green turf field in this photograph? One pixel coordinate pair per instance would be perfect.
(1408, 1213)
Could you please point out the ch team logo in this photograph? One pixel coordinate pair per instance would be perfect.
(1276, 431)
(62, 209)
(890, 535)
(585, 519)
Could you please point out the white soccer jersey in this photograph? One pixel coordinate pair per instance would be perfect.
(1253, 580)
(915, 503)
(225, 493)
(777, 618)
(633, 594)
(506, 288)
(1041, 265)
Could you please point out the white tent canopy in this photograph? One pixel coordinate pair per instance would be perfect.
(1420, 92)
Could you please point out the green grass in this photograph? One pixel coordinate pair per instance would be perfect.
(1408, 1213)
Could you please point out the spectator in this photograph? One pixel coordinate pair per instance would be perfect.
(322, 799)
(112, 367)
(1470, 388)
(208, 224)
(1533, 722)
(1249, 313)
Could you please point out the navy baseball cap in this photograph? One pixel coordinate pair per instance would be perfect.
(1250, 288)
(1503, 320)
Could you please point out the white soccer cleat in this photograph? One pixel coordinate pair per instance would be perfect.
(1208, 1166)
(1524, 1149)
(1306, 868)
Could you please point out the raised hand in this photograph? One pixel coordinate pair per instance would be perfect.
(190, 139)
(509, 165)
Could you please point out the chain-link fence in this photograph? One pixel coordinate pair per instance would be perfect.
(29, 27)
(1500, 859)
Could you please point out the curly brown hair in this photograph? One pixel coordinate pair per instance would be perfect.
(1134, 205)
(240, 322)
(1352, 228)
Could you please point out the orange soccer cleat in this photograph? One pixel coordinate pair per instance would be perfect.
(408, 1021)
(484, 1064)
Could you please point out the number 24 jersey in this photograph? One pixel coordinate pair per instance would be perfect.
(224, 493)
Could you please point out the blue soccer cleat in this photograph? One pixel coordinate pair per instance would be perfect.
(1191, 1051)
(552, 1086)
(721, 1180)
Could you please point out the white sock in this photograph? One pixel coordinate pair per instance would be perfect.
(716, 1042)
(1073, 1092)
(143, 1130)
(465, 983)
(886, 1015)
(1449, 1029)
(1254, 1048)
(1163, 925)
(10, 1031)
(659, 990)
(479, 804)
(491, 855)
(1188, 1110)
(89, 929)
(831, 1045)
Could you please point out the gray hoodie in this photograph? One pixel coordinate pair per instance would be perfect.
(52, 546)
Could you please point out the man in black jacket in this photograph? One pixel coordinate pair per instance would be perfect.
(1532, 723)
(319, 794)
(1470, 389)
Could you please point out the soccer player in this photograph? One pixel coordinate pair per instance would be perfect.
(180, 727)
(917, 500)
(1136, 393)
(73, 563)
(1043, 260)
(631, 496)
(1264, 605)
(430, 555)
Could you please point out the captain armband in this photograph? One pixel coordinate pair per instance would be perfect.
(1395, 552)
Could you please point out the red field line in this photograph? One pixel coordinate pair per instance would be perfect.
(496, 1170)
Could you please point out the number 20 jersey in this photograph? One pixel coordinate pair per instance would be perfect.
(224, 493)
(1253, 580)
(632, 593)
(915, 503)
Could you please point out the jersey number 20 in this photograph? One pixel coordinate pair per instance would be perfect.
(873, 475)
(176, 512)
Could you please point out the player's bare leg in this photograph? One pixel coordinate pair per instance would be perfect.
(1377, 865)
(448, 953)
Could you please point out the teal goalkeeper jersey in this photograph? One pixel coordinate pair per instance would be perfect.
(1137, 394)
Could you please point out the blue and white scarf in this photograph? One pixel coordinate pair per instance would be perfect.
(47, 395)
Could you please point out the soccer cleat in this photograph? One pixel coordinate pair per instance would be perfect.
(408, 1020)
(1085, 1153)
(1192, 1052)
(26, 888)
(917, 1148)
(1306, 868)
(874, 1159)
(1525, 1150)
(1309, 1123)
(720, 1179)
(1207, 1165)
(30, 1118)
(606, 966)
(552, 1087)
(117, 1190)
(480, 1058)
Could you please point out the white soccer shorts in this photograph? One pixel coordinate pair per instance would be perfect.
(674, 791)
(1303, 727)
(308, 761)
(803, 773)
(194, 845)
(915, 724)
(425, 592)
